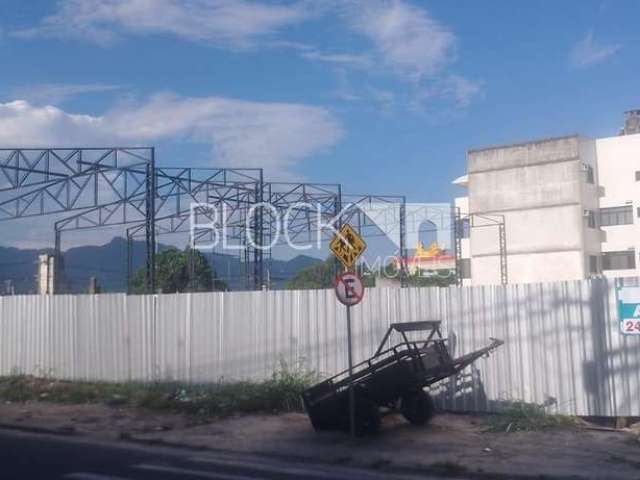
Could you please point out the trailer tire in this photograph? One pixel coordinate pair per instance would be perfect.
(367, 417)
(417, 407)
(321, 420)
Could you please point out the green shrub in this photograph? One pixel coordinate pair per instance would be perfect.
(515, 416)
(280, 393)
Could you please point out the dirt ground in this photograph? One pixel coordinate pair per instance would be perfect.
(457, 445)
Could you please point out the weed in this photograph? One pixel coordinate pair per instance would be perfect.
(280, 393)
(521, 416)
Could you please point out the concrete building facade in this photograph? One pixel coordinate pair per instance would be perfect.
(570, 207)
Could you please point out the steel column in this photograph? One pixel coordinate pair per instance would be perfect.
(150, 222)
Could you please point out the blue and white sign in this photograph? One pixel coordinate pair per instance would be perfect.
(629, 309)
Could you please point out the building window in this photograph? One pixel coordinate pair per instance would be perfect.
(624, 260)
(637, 175)
(464, 227)
(465, 268)
(616, 216)
(593, 264)
(588, 169)
(591, 218)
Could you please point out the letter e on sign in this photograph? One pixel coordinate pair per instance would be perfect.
(349, 289)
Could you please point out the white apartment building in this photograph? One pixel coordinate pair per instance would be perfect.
(569, 206)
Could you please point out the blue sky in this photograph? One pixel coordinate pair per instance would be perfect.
(383, 96)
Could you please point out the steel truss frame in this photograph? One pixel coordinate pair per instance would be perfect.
(104, 187)
(307, 207)
(470, 221)
(391, 214)
(60, 180)
(175, 190)
(311, 209)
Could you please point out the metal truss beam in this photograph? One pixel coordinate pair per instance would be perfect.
(380, 215)
(311, 209)
(476, 221)
(165, 202)
(304, 206)
(104, 187)
(23, 167)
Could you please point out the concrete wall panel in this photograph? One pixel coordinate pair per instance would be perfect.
(530, 153)
(526, 187)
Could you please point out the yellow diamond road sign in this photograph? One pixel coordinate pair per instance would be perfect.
(347, 245)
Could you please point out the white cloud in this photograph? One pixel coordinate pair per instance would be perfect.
(23, 124)
(398, 39)
(415, 49)
(436, 99)
(444, 97)
(385, 99)
(406, 37)
(275, 136)
(588, 52)
(54, 93)
(342, 59)
(235, 23)
(460, 89)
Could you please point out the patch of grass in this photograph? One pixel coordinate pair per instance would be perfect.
(280, 393)
(527, 417)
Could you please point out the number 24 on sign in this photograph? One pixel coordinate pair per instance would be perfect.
(631, 327)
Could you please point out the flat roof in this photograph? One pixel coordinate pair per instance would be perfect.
(520, 144)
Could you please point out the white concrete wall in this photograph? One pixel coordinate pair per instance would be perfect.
(539, 189)
(523, 154)
(533, 186)
(618, 160)
(547, 266)
(590, 193)
(462, 204)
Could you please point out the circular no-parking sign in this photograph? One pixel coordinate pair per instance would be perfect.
(349, 288)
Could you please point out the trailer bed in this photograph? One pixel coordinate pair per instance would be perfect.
(393, 376)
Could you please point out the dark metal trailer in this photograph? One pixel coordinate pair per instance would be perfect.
(392, 379)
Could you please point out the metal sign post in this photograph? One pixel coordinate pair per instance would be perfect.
(350, 290)
(352, 392)
(347, 246)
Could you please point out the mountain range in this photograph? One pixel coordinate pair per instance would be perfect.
(108, 264)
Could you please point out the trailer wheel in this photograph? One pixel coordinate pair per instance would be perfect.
(417, 407)
(367, 417)
(320, 420)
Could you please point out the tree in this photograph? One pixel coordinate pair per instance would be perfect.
(180, 271)
(321, 275)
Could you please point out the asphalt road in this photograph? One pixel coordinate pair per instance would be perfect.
(40, 456)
